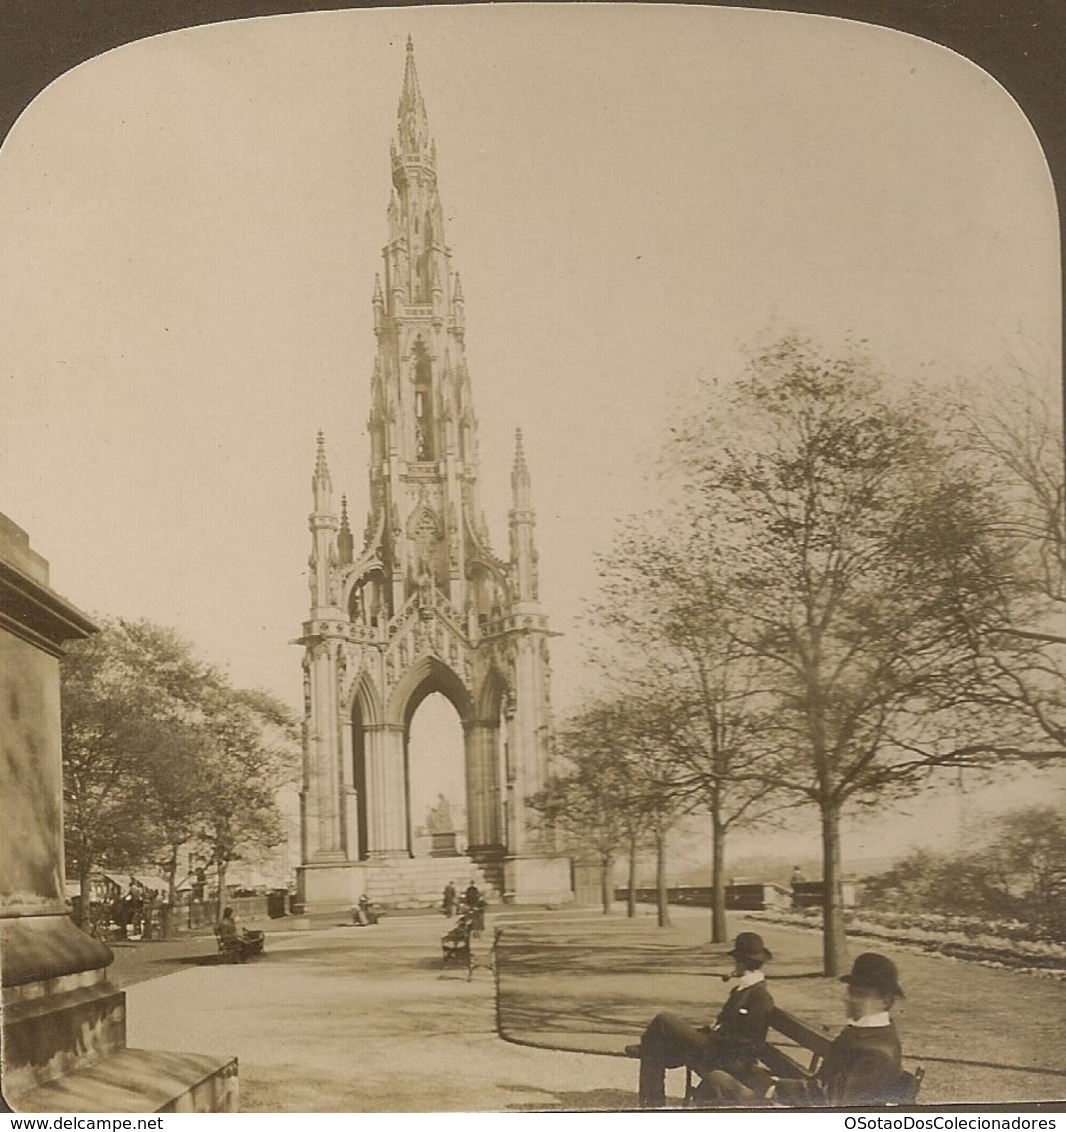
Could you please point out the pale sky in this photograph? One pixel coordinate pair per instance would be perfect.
(190, 227)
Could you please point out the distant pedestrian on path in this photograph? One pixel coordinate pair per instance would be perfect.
(475, 906)
(732, 1044)
(450, 894)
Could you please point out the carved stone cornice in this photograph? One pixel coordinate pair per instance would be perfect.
(37, 614)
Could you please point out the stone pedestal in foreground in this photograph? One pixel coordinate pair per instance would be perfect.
(64, 1025)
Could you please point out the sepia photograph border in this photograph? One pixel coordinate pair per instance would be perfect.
(1020, 43)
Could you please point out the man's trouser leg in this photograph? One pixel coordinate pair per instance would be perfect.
(719, 1089)
(668, 1042)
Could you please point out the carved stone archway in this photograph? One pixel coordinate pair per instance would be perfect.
(425, 605)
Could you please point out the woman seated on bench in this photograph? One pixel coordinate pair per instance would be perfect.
(863, 1066)
(245, 943)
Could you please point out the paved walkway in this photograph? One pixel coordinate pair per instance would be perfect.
(344, 1019)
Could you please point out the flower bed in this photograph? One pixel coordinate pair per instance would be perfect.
(1007, 944)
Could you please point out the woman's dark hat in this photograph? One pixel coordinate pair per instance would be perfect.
(874, 972)
(750, 946)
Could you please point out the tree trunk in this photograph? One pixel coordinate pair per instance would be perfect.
(834, 937)
(631, 895)
(85, 890)
(221, 890)
(606, 864)
(172, 891)
(719, 928)
(661, 895)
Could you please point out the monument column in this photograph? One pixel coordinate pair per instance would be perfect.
(482, 786)
(386, 792)
(64, 1024)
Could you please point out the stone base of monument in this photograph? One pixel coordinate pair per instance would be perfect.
(139, 1080)
(63, 1024)
(537, 880)
(64, 1046)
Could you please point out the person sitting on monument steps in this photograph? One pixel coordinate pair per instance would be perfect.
(863, 1066)
(248, 943)
(731, 1044)
(363, 914)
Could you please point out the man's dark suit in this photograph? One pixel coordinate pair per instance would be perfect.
(862, 1067)
(732, 1044)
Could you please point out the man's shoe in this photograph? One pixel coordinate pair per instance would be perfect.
(633, 1051)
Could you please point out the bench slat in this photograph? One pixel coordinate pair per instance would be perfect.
(781, 1064)
(789, 1026)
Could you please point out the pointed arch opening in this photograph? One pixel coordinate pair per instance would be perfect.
(365, 712)
(435, 757)
(432, 706)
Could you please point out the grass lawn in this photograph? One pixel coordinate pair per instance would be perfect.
(983, 1035)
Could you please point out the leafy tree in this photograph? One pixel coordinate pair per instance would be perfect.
(1017, 872)
(160, 752)
(1029, 856)
(931, 882)
(854, 538)
(249, 739)
(177, 792)
(124, 692)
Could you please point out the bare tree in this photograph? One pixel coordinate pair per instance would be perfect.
(1017, 445)
(648, 733)
(665, 600)
(853, 539)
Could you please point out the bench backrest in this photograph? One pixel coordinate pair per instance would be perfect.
(805, 1037)
(817, 1044)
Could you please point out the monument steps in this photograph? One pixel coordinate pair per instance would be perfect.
(419, 881)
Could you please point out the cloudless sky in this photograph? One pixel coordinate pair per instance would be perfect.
(190, 227)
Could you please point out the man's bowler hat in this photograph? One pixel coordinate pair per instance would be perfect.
(750, 946)
(871, 971)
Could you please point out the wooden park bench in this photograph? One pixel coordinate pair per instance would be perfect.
(789, 1038)
(457, 948)
(229, 947)
(234, 949)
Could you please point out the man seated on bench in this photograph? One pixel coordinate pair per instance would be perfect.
(862, 1067)
(731, 1044)
(231, 936)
